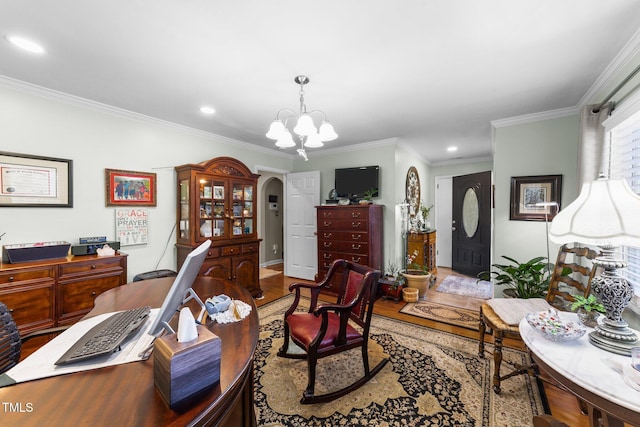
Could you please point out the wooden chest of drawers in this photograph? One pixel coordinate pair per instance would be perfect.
(351, 232)
(49, 293)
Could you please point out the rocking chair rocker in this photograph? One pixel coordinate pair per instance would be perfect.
(326, 330)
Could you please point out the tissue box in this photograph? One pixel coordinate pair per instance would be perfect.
(24, 252)
(181, 370)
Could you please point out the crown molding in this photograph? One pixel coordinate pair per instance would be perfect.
(462, 160)
(77, 101)
(414, 153)
(353, 147)
(622, 59)
(535, 117)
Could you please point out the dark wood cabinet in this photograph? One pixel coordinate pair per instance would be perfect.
(44, 294)
(353, 232)
(217, 202)
(424, 243)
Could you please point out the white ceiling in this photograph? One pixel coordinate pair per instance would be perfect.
(431, 73)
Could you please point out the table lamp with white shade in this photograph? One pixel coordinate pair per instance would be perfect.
(605, 214)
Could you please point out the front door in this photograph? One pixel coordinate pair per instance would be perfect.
(471, 223)
(301, 244)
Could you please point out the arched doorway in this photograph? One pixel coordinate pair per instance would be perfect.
(270, 211)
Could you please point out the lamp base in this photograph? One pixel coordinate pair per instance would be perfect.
(617, 339)
(612, 334)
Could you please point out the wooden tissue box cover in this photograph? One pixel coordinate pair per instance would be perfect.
(181, 370)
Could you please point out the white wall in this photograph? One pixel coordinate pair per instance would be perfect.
(548, 147)
(95, 138)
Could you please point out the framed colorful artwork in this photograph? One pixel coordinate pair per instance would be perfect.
(129, 188)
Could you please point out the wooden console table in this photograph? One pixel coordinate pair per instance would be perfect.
(424, 242)
(125, 394)
(580, 367)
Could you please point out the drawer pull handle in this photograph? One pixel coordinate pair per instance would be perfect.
(355, 225)
(354, 246)
(93, 294)
(93, 267)
(327, 223)
(231, 250)
(355, 214)
(327, 244)
(354, 259)
(11, 279)
(356, 236)
(327, 256)
(326, 265)
(327, 235)
(327, 214)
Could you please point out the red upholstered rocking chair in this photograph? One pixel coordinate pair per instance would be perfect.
(325, 329)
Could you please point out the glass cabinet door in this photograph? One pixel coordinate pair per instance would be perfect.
(242, 209)
(183, 221)
(212, 208)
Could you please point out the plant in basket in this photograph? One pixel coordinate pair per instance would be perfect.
(393, 282)
(588, 309)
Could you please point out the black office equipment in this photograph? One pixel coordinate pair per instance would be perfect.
(92, 248)
(106, 336)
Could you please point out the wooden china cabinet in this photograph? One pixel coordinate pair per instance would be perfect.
(217, 201)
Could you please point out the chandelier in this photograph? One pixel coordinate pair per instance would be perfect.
(304, 128)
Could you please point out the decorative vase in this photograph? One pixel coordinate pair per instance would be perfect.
(588, 318)
(419, 280)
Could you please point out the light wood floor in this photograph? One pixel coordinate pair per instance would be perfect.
(563, 405)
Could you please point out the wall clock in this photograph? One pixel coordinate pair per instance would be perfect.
(412, 187)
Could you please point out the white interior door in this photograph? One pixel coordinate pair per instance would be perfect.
(444, 203)
(301, 248)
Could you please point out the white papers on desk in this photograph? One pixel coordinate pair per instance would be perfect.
(40, 364)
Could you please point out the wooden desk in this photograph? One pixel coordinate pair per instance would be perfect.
(125, 394)
(580, 367)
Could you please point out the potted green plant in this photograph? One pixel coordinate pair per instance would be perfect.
(522, 280)
(368, 196)
(588, 309)
(417, 276)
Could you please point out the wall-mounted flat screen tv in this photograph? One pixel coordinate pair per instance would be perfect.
(352, 183)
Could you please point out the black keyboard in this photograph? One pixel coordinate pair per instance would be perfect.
(106, 336)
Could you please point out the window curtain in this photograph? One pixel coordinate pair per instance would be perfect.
(593, 157)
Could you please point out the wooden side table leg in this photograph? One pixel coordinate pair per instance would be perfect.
(482, 327)
(497, 360)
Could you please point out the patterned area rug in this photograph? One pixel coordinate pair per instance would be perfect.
(466, 286)
(433, 378)
(451, 315)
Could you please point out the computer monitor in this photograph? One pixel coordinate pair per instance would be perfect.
(180, 291)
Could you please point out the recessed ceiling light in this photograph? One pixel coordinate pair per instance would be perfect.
(452, 149)
(26, 44)
(207, 110)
